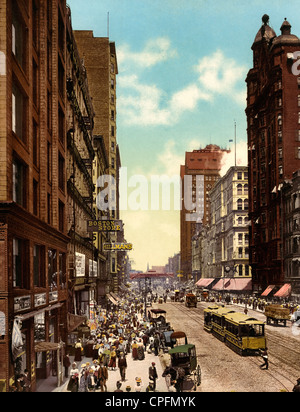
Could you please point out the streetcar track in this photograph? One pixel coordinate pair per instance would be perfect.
(282, 341)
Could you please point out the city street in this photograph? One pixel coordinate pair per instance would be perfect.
(222, 369)
(225, 371)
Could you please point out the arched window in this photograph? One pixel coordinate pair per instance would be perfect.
(239, 189)
(240, 204)
(246, 204)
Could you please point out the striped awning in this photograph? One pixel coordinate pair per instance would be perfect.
(268, 290)
(284, 292)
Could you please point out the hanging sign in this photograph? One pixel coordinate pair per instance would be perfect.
(104, 226)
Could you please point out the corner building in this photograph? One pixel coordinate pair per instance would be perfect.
(273, 115)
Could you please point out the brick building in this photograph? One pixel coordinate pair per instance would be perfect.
(202, 166)
(82, 259)
(100, 59)
(33, 191)
(273, 115)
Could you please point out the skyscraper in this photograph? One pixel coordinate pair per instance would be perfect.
(273, 115)
(203, 167)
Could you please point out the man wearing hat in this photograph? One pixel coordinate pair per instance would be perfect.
(153, 375)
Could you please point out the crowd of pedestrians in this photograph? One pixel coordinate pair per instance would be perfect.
(118, 332)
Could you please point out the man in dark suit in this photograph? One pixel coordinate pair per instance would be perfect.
(153, 375)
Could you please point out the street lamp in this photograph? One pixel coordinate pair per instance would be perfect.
(229, 269)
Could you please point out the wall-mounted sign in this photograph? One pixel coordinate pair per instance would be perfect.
(53, 296)
(117, 247)
(40, 299)
(80, 264)
(104, 226)
(22, 303)
(93, 268)
(2, 324)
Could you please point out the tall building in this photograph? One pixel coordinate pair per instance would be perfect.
(229, 251)
(33, 188)
(199, 174)
(273, 115)
(100, 60)
(82, 256)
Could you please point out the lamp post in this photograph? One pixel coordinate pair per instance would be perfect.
(229, 269)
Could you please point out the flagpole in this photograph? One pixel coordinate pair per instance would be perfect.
(235, 143)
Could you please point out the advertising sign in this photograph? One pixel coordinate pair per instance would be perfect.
(104, 226)
(117, 247)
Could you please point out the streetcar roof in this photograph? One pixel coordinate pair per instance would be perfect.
(242, 318)
(222, 311)
(212, 307)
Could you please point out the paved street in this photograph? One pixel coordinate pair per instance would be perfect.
(225, 371)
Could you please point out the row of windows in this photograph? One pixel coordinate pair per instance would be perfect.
(20, 191)
(49, 266)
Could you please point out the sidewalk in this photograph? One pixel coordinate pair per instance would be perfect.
(134, 369)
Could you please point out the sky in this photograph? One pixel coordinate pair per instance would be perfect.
(181, 86)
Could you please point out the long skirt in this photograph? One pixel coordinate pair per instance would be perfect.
(77, 355)
(113, 362)
(135, 353)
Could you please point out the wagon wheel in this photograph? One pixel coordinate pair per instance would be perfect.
(197, 377)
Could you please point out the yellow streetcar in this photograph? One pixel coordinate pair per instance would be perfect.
(243, 334)
(218, 322)
(208, 316)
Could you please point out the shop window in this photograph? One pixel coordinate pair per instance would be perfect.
(20, 264)
(62, 271)
(52, 269)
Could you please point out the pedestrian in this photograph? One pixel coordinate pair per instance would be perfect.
(297, 386)
(119, 385)
(27, 383)
(78, 351)
(264, 355)
(156, 345)
(138, 386)
(122, 365)
(74, 379)
(67, 364)
(153, 375)
(102, 376)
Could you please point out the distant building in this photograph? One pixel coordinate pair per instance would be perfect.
(273, 115)
(204, 165)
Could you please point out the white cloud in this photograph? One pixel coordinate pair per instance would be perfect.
(148, 105)
(155, 51)
(221, 75)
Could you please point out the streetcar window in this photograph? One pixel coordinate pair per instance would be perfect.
(251, 330)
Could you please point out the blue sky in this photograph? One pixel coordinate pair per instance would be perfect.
(181, 85)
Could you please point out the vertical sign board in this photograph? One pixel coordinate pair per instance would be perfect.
(80, 265)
